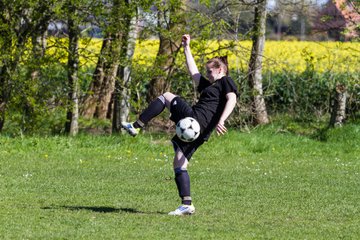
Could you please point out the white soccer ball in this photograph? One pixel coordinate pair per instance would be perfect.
(188, 129)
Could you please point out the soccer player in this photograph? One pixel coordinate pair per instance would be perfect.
(218, 94)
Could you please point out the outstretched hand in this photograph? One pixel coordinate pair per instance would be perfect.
(185, 40)
(221, 129)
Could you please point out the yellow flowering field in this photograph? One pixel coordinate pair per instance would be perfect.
(326, 56)
(88, 50)
(279, 56)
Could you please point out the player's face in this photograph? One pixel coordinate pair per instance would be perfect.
(212, 73)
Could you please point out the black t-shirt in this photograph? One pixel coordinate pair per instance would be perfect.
(212, 102)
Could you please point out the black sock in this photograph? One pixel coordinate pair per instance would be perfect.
(137, 125)
(154, 109)
(182, 180)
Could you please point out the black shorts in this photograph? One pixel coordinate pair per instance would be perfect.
(180, 109)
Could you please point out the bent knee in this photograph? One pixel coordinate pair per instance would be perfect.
(168, 98)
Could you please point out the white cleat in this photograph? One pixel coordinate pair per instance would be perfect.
(130, 128)
(183, 210)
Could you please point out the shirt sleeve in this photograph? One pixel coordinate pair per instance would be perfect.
(229, 85)
(203, 83)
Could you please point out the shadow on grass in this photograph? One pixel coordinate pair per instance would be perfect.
(102, 209)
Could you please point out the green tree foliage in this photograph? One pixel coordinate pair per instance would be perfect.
(19, 21)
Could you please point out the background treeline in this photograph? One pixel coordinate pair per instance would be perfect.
(67, 65)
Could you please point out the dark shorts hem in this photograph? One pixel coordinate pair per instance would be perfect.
(188, 148)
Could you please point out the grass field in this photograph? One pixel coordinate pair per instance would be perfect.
(266, 184)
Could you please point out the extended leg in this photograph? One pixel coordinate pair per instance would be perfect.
(154, 109)
(182, 180)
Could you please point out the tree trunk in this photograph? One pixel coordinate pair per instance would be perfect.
(121, 93)
(96, 103)
(39, 47)
(302, 27)
(165, 59)
(71, 126)
(90, 100)
(338, 114)
(172, 25)
(255, 65)
(106, 90)
(278, 27)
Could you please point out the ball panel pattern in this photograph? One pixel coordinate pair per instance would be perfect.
(188, 129)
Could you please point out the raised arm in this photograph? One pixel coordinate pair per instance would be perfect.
(190, 62)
